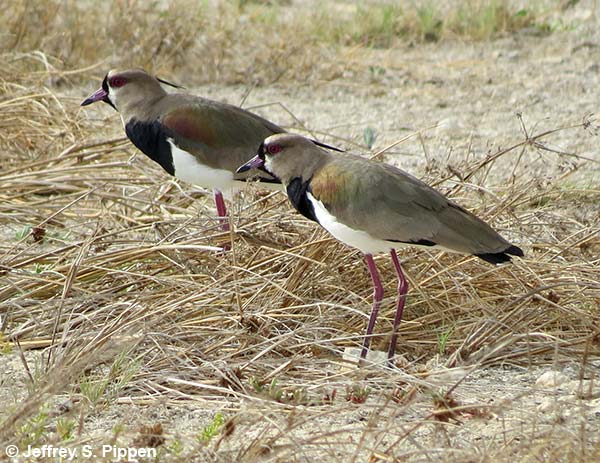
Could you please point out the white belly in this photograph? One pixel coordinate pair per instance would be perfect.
(188, 169)
(356, 238)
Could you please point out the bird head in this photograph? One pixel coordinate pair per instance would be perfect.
(287, 156)
(122, 89)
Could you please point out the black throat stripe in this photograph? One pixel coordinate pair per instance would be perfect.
(151, 139)
(297, 193)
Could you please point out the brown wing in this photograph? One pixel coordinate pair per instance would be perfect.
(219, 135)
(392, 205)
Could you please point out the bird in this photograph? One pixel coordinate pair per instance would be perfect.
(375, 207)
(195, 139)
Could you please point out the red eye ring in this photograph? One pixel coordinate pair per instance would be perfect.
(273, 149)
(117, 81)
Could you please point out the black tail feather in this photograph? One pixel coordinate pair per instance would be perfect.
(500, 257)
(515, 251)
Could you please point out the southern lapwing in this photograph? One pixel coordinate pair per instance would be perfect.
(197, 140)
(375, 207)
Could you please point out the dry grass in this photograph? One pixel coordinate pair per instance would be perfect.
(110, 267)
(246, 41)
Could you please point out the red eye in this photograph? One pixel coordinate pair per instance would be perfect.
(117, 81)
(274, 149)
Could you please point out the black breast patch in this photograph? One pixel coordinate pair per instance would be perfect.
(151, 139)
(296, 191)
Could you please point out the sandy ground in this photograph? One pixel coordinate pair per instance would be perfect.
(496, 407)
(472, 92)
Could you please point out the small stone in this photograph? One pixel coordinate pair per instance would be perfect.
(551, 379)
(445, 377)
(547, 406)
(352, 356)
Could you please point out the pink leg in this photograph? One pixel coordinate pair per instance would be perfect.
(377, 296)
(402, 290)
(221, 210)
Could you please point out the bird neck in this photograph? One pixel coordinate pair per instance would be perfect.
(304, 171)
(141, 108)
